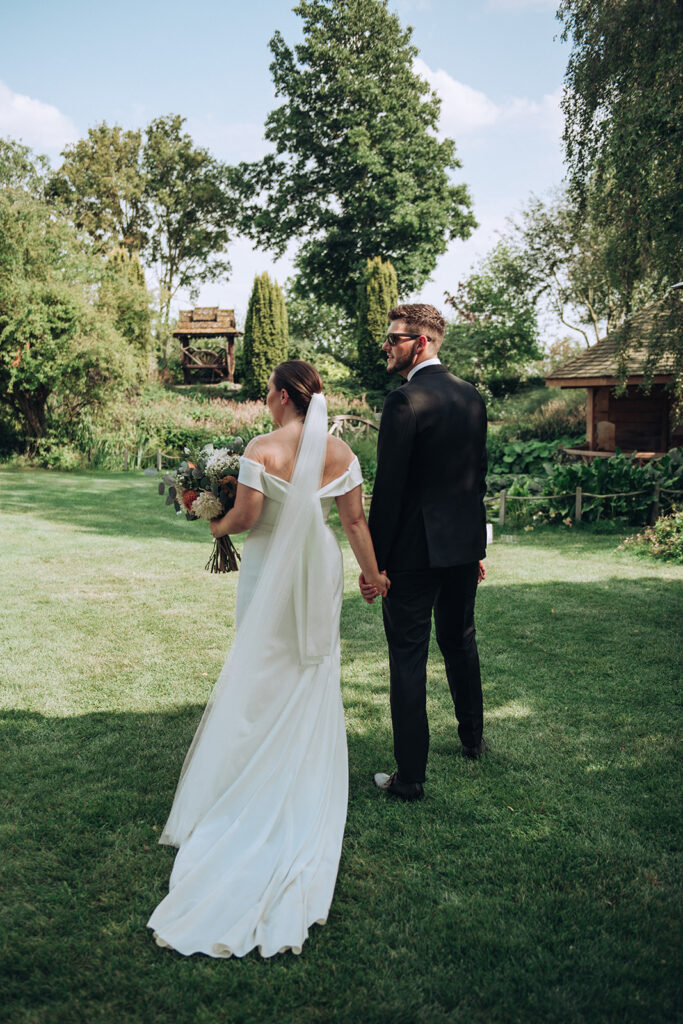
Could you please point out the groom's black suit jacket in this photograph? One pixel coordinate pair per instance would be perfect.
(428, 501)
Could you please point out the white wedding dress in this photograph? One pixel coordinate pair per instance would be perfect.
(260, 807)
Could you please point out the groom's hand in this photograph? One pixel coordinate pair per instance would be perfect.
(370, 591)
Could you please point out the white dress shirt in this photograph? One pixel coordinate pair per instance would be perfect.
(434, 361)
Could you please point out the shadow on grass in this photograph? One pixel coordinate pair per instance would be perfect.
(112, 504)
(520, 887)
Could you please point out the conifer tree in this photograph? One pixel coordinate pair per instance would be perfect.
(265, 335)
(377, 293)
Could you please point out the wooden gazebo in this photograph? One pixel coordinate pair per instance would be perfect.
(637, 421)
(207, 364)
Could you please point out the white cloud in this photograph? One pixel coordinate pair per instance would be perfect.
(36, 124)
(522, 5)
(465, 110)
(546, 114)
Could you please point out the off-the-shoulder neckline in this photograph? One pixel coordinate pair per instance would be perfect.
(282, 479)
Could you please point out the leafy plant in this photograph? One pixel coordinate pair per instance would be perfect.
(663, 540)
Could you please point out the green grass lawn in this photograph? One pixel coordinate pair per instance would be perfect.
(536, 885)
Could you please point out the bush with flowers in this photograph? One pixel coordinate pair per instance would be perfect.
(662, 540)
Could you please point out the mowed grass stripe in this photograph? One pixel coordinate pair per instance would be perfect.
(540, 883)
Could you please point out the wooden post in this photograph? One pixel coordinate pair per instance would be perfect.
(125, 460)
(159, 461)
(579, 504)
(231, 359)
(501, 514)
(654, 508)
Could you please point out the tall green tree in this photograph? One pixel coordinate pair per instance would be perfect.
(22, 169)
(266, 335)
(188, 208)
(377, 294)
(569, 257)
(624, 146)
(496, 330)
(156, 195)
(316, 326)
(124, 298)
(357, 170)
(102, 185)
(58, 355)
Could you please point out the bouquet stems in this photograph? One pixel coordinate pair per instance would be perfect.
(224, 557)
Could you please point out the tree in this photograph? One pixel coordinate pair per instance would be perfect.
(154, 194)
(22, 169)
(622, 103)
(58, 357)
(101, 184)
(265, 335)
(496, 318)
(124, 298)
(188, 208)
(316, 326)
(377, 294)
(569, 259)
(357, 169)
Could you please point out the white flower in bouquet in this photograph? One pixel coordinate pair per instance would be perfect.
(206, 506)
(221, 463)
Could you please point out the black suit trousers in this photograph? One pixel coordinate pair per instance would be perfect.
(407, 609)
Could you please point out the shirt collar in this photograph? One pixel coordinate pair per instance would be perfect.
(434, 361)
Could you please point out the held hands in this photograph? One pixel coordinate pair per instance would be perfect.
(377, 586)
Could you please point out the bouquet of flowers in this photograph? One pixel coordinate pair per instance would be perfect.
(204, 486)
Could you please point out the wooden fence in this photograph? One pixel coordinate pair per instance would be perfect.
(655, 506)
(159, 459)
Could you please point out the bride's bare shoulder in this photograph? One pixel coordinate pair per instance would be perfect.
(339, 457)
(257, 448)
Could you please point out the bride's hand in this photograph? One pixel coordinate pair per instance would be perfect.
(217, 527)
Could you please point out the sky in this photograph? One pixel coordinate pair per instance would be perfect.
(498, 66)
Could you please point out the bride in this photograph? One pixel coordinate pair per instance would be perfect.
(259, 812)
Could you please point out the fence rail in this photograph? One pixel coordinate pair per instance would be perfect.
(578, 495)
(159, 458)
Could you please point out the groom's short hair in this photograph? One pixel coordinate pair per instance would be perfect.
(418, 316)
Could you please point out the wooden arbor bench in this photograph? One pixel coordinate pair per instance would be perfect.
(213, 324)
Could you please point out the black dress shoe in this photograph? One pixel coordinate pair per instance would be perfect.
(404, 790)
(474, 753)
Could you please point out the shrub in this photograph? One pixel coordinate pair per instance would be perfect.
(265, 340)
(663, 540)
(377, 294)
(613, 476)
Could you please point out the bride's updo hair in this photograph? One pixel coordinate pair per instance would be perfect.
(300, 380)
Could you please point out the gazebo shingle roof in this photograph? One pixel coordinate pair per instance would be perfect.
(602, 361)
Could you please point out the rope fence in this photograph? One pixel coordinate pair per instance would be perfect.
(657, 491)
(159, 459)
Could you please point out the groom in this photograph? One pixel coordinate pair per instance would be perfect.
(428, 527)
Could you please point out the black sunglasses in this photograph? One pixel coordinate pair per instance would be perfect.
(394, 339)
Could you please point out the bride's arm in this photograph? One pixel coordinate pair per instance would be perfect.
(355, 526)
(243, 514)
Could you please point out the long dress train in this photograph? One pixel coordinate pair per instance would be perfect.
(260, 807)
